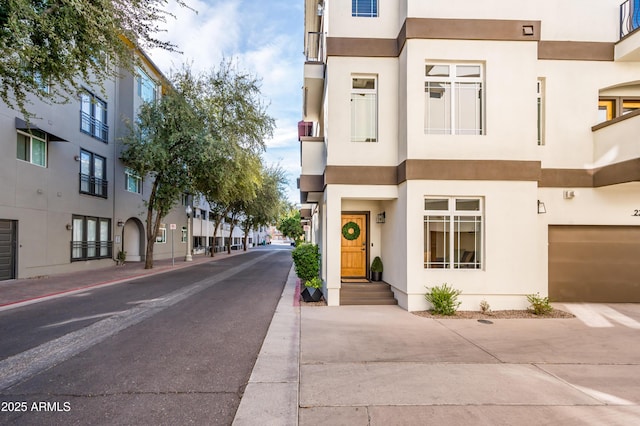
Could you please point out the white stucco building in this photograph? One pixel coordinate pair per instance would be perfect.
(489, 145)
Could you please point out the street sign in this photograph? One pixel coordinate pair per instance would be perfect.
(172, 226)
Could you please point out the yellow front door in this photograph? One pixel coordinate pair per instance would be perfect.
(354, 246)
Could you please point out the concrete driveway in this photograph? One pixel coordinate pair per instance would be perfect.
(380, 365)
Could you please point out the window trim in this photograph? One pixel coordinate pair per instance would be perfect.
(451, 218)
(131, 174)
(89, 123)
(454, 81)
(373, 11)
(363, 92)
(84, 245)
(141, 78)
(31, 137)
(91, 178)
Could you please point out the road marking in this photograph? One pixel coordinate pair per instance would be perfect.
(598, 315)
(106, 314)
(22, 366)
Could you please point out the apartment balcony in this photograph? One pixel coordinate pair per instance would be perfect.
(313, 159)
(628, 48)
(616, 150)
(314, 68)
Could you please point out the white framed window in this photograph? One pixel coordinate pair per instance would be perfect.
(133, 182)
(147, 87)
(161, 236)
(364, 109)
(364, 8)
(454, 99)
(32, 147)
(453, 233)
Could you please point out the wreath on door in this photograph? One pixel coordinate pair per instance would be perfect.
(350, 231)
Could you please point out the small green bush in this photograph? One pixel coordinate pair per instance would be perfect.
(485, 308)
(444, 299)
(376, 265)
(314, 282)
(306, 258)
(539, 305)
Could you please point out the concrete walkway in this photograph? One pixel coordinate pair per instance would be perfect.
(381, 365)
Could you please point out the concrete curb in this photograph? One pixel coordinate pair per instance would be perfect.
(272, 394)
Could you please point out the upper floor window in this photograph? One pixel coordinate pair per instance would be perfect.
(610, 108)
(93, 174)
(541, 109)
(365, 8)
(93, 116)
(453, 233)
(147, 87)
(32, 147)
(133, 182)
(364, 109)
(453, 99)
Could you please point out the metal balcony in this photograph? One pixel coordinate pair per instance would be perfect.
(629, 17)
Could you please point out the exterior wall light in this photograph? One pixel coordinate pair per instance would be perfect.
(541, 208)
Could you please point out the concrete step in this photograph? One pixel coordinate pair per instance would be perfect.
(376, 293)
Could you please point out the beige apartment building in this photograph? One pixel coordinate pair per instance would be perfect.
(67, 203)
(492, 146)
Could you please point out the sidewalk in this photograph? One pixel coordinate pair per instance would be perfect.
(21, 292)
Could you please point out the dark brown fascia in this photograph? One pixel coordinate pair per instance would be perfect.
(470, 29)
(476, 170)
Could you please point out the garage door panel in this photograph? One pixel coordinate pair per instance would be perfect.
(594, 263)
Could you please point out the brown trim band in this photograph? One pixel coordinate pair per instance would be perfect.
(361, 175)
(471, 170)
(576, 50)
(477, 170)
(311, 183)
(470, 29)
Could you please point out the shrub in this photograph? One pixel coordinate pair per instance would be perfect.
(539, 305)
(306, 258)
(485, 308)
(376, 265)
(314, 282)
(444, 299)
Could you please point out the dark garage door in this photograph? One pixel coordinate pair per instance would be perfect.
(7, 249)
(594, 263)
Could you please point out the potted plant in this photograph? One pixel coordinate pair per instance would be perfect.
(121, 257)
(312, 292)
(376, 269)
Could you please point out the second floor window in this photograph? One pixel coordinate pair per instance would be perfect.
(93, 174)
(364, 109)
(32, 147)
(93, 117)
(364, 8)
(453, 99)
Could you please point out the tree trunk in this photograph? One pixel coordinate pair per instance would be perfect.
(152, 228)
(231, 226)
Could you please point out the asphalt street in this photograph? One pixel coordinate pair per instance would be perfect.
(174, 348)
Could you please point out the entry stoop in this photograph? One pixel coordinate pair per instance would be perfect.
(378, 293)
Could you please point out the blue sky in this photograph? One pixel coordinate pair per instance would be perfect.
(265, 37)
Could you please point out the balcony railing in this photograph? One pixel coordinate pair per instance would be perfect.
(94, 127)
(315, 47)
(93, 186)
(87, 250)
(629, 17)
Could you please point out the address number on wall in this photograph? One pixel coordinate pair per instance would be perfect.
(636, 213)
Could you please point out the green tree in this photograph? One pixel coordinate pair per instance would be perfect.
(68, 43)
(266, 207)
(164, 145)
(235, 115)
(290, 225)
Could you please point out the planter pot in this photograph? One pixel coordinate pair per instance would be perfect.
(376, 276)
(310, 294)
